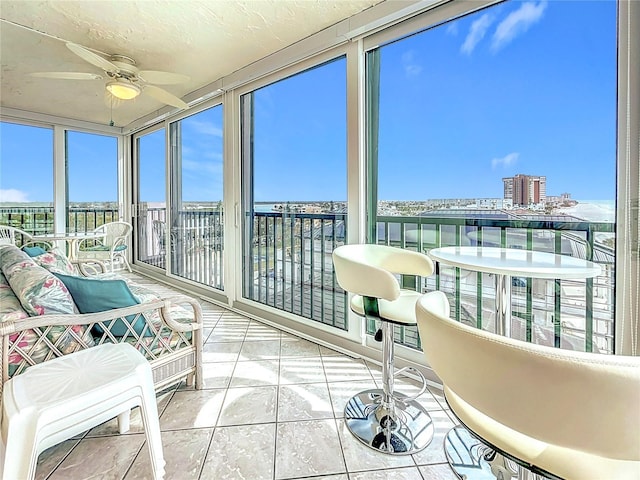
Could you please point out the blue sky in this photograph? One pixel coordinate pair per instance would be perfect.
(523, 87)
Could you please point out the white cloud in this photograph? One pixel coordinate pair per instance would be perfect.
(411, 67)
(517, 23)
(476, 33)
(452, 28)
(205, 128)
(505, 161)
(13, 195)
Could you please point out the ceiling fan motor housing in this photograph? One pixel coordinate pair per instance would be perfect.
(126, 67)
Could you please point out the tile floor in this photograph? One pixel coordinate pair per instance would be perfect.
(271, 408)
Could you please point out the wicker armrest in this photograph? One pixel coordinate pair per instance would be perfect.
(85, 319)
(173, 348)
(88, 268)
(182, 300)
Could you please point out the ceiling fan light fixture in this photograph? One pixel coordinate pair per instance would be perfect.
(123, 90)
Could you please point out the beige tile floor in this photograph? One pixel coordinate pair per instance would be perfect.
(271, 408)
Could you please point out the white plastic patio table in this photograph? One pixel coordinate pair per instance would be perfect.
(53, 401)
(507, 262)
(72, 240)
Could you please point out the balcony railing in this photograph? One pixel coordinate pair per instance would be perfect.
(287, 265)
(195, 243)
(30, 219)
(575, 314)
(40, 220)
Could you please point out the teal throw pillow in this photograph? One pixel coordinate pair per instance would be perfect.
(95, 295)
(34, 251)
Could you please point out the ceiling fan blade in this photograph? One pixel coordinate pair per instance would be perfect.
(92, 58)
(164, 96)
(67, 75)
(162, 78)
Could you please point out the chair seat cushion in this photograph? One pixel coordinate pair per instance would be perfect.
(401, 311)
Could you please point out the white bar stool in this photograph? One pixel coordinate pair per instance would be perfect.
(55, 400)
(384, 419)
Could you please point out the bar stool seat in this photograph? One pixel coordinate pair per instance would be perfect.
(400, 311)
(384, 419)
(55, 400)
(557, 413)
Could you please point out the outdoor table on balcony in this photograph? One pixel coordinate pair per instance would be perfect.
(72, 239)
(506, 262)
(466, 454)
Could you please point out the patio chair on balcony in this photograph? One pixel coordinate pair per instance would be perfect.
(10, 235)
(555, 412)
(159, 231)
(111, 248)
(384, 419)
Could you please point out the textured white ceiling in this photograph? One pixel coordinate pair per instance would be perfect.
(205, 39)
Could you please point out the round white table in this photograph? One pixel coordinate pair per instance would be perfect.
(72, 239)
(507, 262)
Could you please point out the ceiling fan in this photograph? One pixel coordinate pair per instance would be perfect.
(125, 80)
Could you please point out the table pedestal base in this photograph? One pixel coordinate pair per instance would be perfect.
(470, 459)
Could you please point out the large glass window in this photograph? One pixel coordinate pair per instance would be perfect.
(499, 129)
(151, 205)
(196, 192)
(294, 192)
(26, 177)
(92, 180)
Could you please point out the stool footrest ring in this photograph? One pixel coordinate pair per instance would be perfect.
(418, 373)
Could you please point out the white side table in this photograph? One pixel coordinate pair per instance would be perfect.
(55, 400)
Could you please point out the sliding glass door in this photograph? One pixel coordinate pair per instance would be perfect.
(294, 191)
(150, 206)
(196, 188)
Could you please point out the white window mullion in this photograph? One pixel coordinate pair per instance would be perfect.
(59, 179)
(232, 198)
(356, 165)
(628, 241)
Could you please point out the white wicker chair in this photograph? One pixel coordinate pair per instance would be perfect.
(9, 234)
(111, 248)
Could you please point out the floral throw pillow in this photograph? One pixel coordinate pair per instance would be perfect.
(40, 292)
(10, 307)
(55, 261)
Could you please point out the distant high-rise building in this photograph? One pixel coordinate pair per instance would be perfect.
(508, 188)
(525, 190)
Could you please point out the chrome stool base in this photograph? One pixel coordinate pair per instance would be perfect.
(405, 430)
